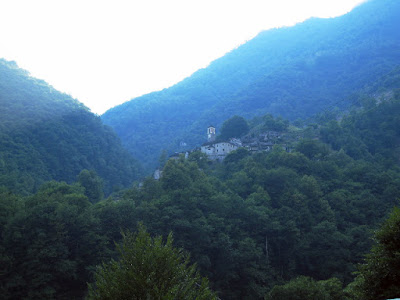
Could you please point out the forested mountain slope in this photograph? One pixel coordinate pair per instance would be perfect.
(46, 135)
(294, 72)
(250, 223)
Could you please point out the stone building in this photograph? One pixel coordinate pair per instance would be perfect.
(218, 150)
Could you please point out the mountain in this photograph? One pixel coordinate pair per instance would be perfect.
(294, 72)
(46, 135)
(252, 222)
(259, 219)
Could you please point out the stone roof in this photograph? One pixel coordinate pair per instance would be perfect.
(215, 142)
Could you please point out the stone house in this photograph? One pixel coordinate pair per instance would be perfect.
(218, 150)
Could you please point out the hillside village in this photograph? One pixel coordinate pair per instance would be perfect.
(217, 150)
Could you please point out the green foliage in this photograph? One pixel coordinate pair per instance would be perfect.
(369, 132)
(378, 277)
(312, 149)
(163, 159)
(250, 223)
(305, 288)
(275, 124)
(256, 220)
(46, 135)
(236, 156)
(293, 72)
(234, 127)
(93, 185)
(148, 268)
(201, 159)
(174, 177)
(49, 242)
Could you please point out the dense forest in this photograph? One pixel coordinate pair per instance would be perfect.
(294, 72)
(46, 135)
(314, 216)
(252, 224)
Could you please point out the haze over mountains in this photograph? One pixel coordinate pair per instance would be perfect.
(294, 72)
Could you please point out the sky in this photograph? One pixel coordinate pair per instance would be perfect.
(104, 53)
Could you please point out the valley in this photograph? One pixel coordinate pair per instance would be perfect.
(278, 175)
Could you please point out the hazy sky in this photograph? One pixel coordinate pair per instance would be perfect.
(107, 52)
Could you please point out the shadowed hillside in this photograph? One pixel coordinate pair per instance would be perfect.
(46, 135)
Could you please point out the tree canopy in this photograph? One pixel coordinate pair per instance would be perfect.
(234, 127)
(148, 268)
(378, 277)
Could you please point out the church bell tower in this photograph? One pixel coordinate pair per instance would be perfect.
(211, 134)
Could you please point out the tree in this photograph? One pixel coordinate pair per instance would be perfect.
(163, 159)
(149, 269)
(200, 158)
(277, 124)
(93, 185)
(378, 277)
(236, 155)
(312, 149)
(50, 245)
(175, 176)
(234, 127)
(305, 288)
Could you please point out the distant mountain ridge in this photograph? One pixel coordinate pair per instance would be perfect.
(294, 72)
(47, 135)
